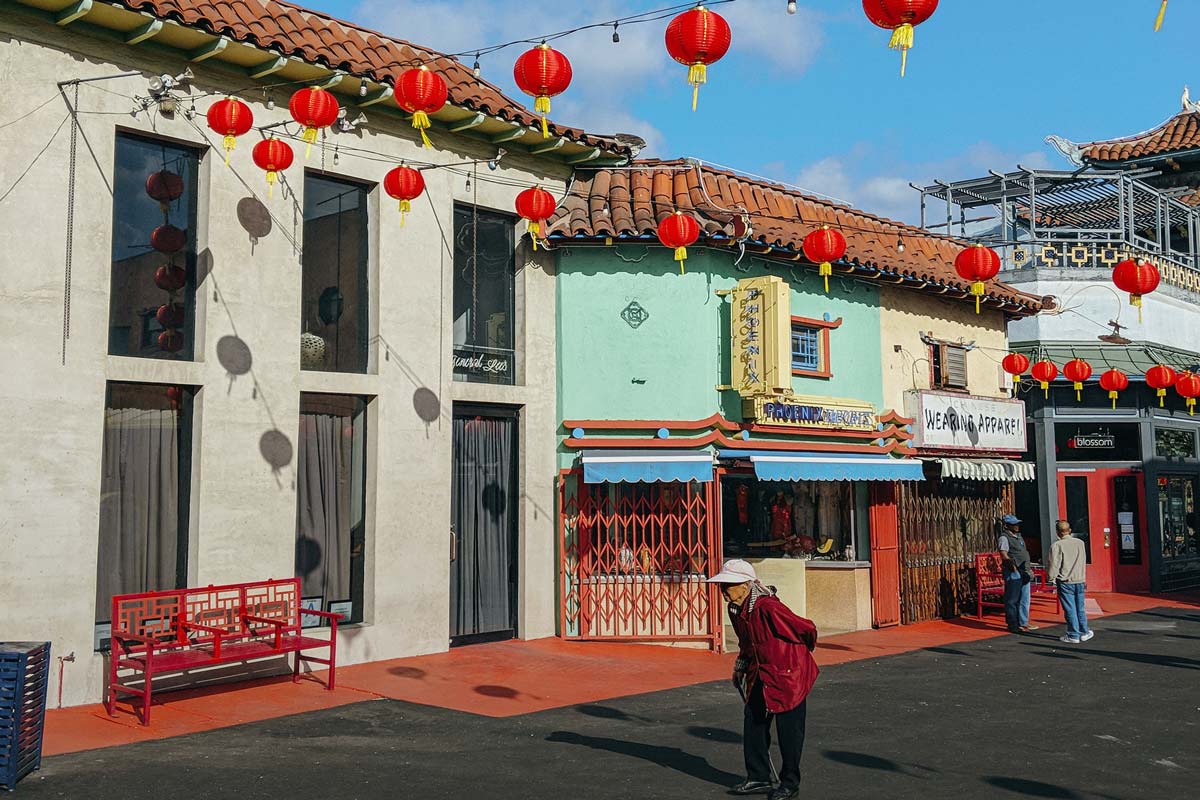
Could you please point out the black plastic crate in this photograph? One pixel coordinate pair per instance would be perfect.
(24, 672)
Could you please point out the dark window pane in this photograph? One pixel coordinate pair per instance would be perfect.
(153, 297)
(484, 302)
(806, 348)
(144, 484)
(772, 519)
(330, 502)
(1174, 443)
(1097, 442)
(1078, 511)
(335, 311)
(1177, 516)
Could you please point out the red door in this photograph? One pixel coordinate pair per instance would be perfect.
(1088, 499)
(885, 556)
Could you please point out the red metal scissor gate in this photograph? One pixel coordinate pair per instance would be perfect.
(634, 560)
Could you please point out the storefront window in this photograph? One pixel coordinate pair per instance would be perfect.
(1078, 510)
(484, 296)
(330, 499)
(1174, 443)
(775, 519)
(152, 290)
(334, 294)
(144, 485)
(1097, 442)
(1177, 515)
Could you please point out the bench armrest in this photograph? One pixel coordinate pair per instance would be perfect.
(326, 614)
(218, 634)
(278, 623)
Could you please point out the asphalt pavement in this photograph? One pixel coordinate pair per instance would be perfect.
(1116, 718)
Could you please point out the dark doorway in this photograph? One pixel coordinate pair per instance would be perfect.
(483, 566)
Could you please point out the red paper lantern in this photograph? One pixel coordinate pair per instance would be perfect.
(404, 184)
(164, 186)
(1114, 381)
(535, 205)
(1077, 371)
(168, 239)
(175, 395)
(230, 118)
(170, 278)
(697, 38)
(900, 17)
(315, 109)
(679, 231)
(170, 315)
(1160, 377)
(977, 264)
(822, 247)
(1015, 364)
(273, 156)
(1188, 386)
(421, 93)
(170, 341)
(1044, 372)
(542, 73)
(1136, 278)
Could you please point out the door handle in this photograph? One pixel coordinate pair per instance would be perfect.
(453, 544)
(1106, 535)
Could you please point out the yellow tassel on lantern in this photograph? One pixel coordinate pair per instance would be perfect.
(902, 40)
(1078, 391)
(1162, 10)
(697, 75)
(405, 207)
(534, 229)
(421, 123)
(681, 256)
(271, 175)
(1045, 388)
(977, 289)
(230, 143)
(542, 106)
(1191, 404)
(825, 269)
(310, 137)
(1162, 394)
(1113, 397)
(1016, 384)
(1136, 300)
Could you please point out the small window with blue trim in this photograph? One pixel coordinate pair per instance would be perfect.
(806, 348)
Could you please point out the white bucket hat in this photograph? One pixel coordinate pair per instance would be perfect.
(735, 570)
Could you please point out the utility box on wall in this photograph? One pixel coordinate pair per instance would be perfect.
(24, 674)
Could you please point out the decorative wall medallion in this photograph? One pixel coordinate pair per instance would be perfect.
(634, 315)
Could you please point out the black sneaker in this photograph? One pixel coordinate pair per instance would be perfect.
(752, 787)
(784, 793)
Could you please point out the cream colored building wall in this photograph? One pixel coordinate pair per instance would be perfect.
(243, 512)
(905, 314)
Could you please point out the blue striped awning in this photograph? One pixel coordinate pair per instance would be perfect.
(646, 466)
(809, 466)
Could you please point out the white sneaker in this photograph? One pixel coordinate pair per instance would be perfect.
(1068, 639)
(1087, 636)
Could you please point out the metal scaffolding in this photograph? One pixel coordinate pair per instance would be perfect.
(1048, 219)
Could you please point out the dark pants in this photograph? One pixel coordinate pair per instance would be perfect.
(756, 740)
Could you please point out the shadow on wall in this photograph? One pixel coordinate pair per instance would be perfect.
(255, 219)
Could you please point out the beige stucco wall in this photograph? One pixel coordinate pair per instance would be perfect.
(839, 597)
(243, 514)
(904, 314)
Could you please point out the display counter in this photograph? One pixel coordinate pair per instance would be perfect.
(839, 595)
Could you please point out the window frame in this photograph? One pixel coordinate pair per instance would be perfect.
(510, 378)
(824, 355)
(937, 370)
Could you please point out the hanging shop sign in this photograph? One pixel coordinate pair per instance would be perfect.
(760, 322)
(811, 412)
(482, 361)
(947, 421)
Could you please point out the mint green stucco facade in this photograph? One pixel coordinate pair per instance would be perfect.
(669, 367)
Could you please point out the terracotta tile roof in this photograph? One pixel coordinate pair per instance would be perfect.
(1180, 132)
(320, 39)
(629, 202)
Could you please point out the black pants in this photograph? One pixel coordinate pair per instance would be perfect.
(756, 740)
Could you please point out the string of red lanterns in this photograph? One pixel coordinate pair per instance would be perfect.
(1160, 378)
(1044, 372)
(1077, 371)
(1114, 382)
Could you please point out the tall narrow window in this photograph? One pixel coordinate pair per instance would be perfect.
(330, 502)
(484, 296)
(153, 285)
(144, 486)
(335, 313)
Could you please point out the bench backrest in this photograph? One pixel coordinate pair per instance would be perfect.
(159, 614)
(989, 565)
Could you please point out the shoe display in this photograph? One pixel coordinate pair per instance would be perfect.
(1087, 636)
(1068, 639)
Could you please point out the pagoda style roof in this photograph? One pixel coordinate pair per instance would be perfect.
(1178, 135)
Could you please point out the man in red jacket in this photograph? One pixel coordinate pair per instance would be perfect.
(774, 672)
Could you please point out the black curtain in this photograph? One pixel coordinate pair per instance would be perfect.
(484, 504)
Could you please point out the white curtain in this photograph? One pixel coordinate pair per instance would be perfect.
(139, 504)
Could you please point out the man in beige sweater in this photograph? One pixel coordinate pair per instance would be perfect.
(1068, 571)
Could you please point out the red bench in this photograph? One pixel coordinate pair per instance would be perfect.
(989, 584)
(174, 631)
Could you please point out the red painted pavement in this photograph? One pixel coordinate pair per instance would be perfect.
(508, 678)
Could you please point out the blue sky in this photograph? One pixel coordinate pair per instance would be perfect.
(816, 100)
